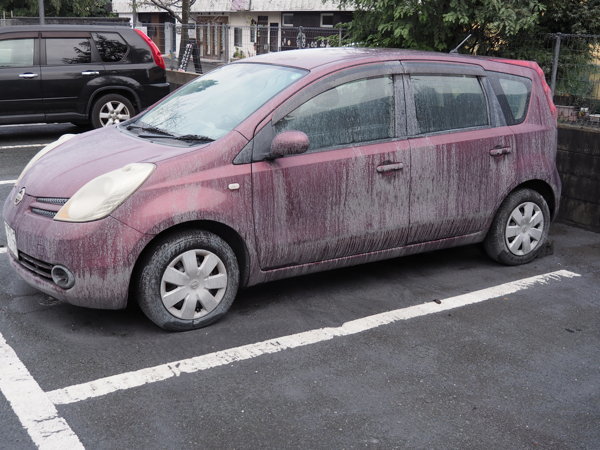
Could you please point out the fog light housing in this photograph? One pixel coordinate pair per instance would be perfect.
(62, 277)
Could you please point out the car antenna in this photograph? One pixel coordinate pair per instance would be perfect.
(455, 49)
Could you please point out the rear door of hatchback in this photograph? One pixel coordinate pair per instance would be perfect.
(70, 64)
(462, 151)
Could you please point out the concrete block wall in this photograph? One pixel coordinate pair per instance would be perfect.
(578, 162)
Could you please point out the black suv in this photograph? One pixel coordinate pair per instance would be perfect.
(82, 74)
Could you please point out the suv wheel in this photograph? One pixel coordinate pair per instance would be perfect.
(111, 109)
(188, 281)
(520, 228)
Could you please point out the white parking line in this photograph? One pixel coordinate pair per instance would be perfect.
(161, 372)
(35, 411)
(8, 147)
(8, 181)
(2, 250)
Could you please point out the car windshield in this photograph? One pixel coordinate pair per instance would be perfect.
(214, 104)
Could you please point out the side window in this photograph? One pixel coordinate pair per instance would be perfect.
(61, 51)
(516, 92)
(448, 102)
(111, 46)
(355, 112)
(16, 53)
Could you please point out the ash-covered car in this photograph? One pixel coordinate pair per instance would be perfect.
(287, 164)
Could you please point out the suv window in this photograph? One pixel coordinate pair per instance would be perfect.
(515, 91)
(60, 51)
(445, 102)
(358, 111)
(16, 53)
(111, 46)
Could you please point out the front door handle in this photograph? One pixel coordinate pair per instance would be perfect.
(498, 150)
(90, 72)
(390, 167)
(28, 75)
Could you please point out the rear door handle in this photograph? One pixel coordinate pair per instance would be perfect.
(90, 72)
(390, 167)
(28, 75)
(499, 150)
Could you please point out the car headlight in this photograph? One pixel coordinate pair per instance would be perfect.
(101, 196)
(42, 152)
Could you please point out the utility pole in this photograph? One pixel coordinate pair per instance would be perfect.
(41, 11)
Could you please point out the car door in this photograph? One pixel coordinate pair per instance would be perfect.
(462, 152)
(20, 94)
(70, 63)
(348, 194)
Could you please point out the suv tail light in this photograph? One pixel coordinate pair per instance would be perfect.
(540, 73)
(158, 59)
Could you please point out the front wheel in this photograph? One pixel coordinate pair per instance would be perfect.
(520, 228)
(111, 109)
(188, 280)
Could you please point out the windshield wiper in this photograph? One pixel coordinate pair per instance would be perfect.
(149, 129)
(194, 137)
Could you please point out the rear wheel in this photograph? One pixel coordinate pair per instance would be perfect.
(520, 228)
(188, 281)
(111, 109)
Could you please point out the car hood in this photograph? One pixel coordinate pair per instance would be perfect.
(65, 169)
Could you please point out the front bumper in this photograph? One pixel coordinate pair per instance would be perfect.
(100, 254)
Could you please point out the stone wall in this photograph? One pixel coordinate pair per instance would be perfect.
(578, 162)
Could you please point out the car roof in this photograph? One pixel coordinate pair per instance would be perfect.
(317, 59)
(59, 27)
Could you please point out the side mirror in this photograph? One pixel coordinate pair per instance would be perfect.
(289, 143)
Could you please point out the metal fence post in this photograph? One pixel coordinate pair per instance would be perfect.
(555, 62)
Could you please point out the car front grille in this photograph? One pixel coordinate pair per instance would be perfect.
(36, 266)
(47, 206)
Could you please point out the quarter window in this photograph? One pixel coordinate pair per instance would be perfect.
(68, 51)
(352, 113)
(16, 53)
(448, 102)
(111, 46)
(516, 92)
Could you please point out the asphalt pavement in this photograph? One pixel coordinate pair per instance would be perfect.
(440, 350)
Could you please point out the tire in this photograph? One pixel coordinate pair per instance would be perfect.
(171, 284)
(520, 229)
(111, 109)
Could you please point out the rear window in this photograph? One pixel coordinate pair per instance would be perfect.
(514, 93)
(61, 51)
(444, 102)
(111, 46)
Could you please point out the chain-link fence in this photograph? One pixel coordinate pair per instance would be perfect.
(572, 67)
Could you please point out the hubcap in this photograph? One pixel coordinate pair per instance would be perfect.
(193, 284)
(524, 228)
(113, 112)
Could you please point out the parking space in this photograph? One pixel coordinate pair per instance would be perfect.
(445, 349)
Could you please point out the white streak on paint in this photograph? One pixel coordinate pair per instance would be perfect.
(2, 250)
(8, 181)
(161, 372)
(35, 411)
(10, 147)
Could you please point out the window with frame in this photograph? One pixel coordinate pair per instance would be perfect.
(515, 92)
(111, 46)
(356, 112)
(63, 51)
(287, 19)
(448, 102)
(326, 20)
(237, 37)
(16, 52)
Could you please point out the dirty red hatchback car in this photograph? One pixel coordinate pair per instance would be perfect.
(287, 164)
